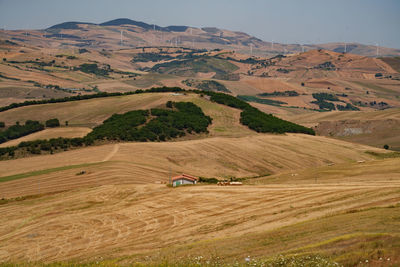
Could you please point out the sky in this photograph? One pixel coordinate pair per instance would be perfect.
(285, 21)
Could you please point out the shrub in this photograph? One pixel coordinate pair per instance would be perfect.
(53, 123)
(386, 146)
(208, 180)
(347, 107)
(2, 124)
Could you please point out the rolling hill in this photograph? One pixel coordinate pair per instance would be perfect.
(136, 33)
(88, 197)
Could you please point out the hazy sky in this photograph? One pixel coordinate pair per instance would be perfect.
(287, 21)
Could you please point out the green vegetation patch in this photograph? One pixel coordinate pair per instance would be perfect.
(206, 85)
(256, 119)
(250, 98)
(151, 57)
(321, 100)
(53, 123)
(348, 107)
(276, 93)
(154, 125)
(267, 123)
(93, 69)
(190, 67)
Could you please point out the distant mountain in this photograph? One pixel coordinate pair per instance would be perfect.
(71, 25)
(124, 21)
(138, 33)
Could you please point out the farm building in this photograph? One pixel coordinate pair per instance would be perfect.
(184, 179)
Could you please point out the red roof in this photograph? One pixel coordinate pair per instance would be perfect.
(185, 176)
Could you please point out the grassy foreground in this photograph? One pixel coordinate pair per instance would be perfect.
(354, 238)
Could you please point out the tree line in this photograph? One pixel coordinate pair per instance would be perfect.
(89, 96)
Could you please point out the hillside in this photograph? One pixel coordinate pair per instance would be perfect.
(110, 204)
(106, 35)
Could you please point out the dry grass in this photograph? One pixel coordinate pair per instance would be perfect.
(118, 220)
(219, 157)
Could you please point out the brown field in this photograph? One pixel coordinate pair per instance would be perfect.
(220, 157)
(130, 223)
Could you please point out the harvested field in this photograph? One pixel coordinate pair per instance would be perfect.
(115, 220)
(139, 163)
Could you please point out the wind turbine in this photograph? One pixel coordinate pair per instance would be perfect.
(251, 49)
(121, 37)
(272, 45)
(377, 50)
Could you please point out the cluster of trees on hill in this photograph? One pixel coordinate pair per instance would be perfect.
(18, 130)
(322, 103)
(263, 123)
(252, 98)
(348, 107)
(155, 125)
(257, 120)
(326, 66)
(189, 67)
(93, 69)
(206, 85)
(53, 123)
(153, 57)
(277, 93)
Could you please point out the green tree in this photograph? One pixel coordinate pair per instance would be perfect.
(386, 146)
(53, 123)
